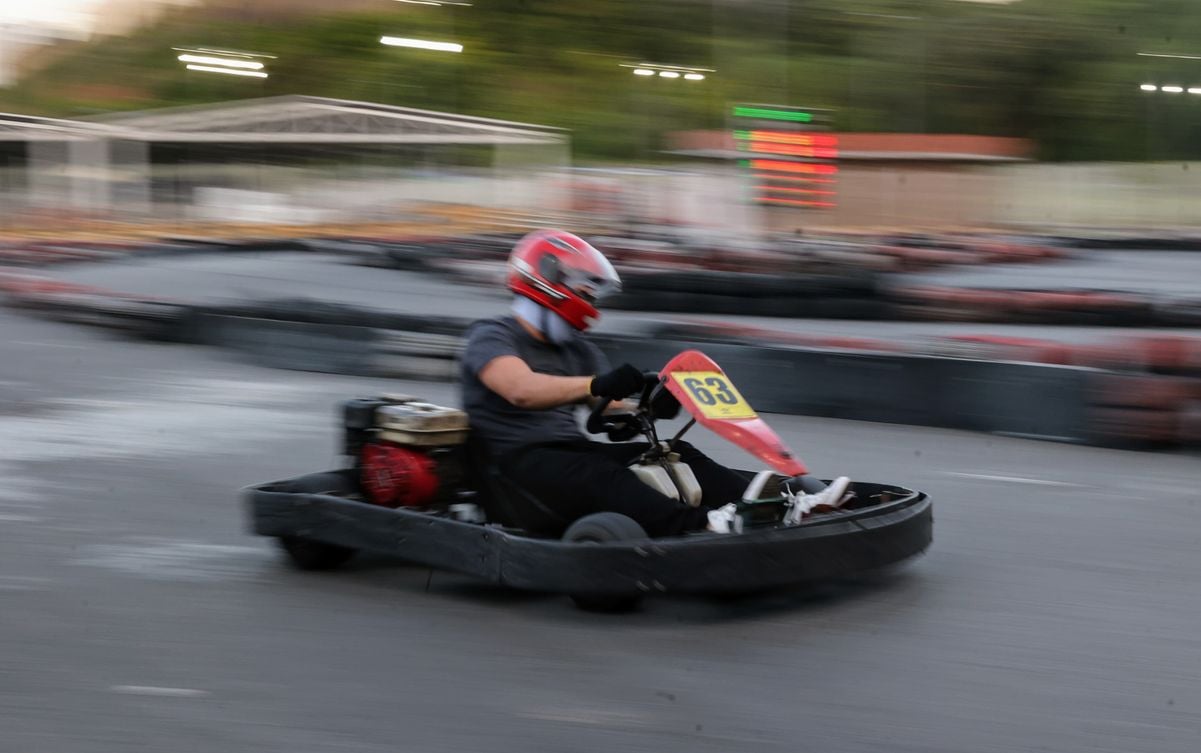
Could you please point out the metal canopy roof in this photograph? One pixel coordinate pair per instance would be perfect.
(296, 119)
(33, 128)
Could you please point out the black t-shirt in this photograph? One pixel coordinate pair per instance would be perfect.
(503, 425)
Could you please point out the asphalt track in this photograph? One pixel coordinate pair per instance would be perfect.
(1056, 611)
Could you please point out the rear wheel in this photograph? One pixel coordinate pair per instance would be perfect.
(307, 554)
(602, 528)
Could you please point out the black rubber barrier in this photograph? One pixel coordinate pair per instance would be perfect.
(751, 285)
(1022, 399)
(1031, 400)
(324, 312)
(300, 346)
(1126, 243)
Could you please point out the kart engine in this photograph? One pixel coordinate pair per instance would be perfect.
(408, 452)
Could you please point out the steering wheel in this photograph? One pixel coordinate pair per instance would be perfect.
(600, 422)
(621, 426)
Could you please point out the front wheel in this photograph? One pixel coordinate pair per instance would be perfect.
(602, 528)
(307, 554)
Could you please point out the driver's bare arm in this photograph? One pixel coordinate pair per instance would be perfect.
(511, 378)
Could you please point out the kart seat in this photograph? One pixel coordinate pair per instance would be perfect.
(505, 502)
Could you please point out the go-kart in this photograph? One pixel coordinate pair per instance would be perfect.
(420, 487)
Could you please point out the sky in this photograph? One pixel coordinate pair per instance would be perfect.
(71, 14)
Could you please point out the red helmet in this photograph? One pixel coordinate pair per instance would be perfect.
(561, 272)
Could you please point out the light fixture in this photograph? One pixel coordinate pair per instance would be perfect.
(1194, 90)
(433, 2)
(421, 44)
(252, 65)
(1149, 88)
(1166, 55)
(1172, 89)
(223, 53)
(228, 71)
(687, 72)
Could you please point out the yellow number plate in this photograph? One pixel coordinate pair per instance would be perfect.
(714, 394)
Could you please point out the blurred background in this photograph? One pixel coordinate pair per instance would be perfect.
(953, 245)
(1064, 102)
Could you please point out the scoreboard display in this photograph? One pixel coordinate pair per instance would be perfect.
(791, 155)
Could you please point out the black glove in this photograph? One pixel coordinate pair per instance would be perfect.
(618, 384)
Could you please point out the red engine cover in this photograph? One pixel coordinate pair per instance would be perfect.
(394, 476)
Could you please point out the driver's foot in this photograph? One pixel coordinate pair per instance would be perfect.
(725, 519)
(831, 498)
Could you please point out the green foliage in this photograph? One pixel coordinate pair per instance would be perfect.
(1062, 72)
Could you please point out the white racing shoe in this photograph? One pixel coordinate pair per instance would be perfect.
(725, 519)
(831, 498)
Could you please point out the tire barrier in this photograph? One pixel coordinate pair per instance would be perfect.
(750, 285)
(325, 312)
(699, 332)
(1126, 242)
(298, 346)
(1028, 400)
(788, 307)
(1143, 409)
(915, 253)
(333, 348)
(1178, 313)
(1190, 424)
(41, 254)
(1166, 354)
(1134, 427)
(1002, 348)
(1096, 308)
(806, 375)
(1143, 391)
(416, 355)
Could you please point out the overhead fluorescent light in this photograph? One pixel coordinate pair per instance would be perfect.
(228, 71)
(1172, 89)
(224, 53)
(1194, 90)
(694, 76)
(662, 67)
(669, 74)
(421, 44)
(433, 2)
(1149, 88)
(643, 72)
(205, 60)
(1166, 55)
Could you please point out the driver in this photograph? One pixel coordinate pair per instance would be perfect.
(524, 375)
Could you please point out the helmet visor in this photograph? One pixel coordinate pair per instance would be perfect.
(594, 279)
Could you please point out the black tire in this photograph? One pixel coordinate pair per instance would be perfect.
(601, 528)
(307, 554)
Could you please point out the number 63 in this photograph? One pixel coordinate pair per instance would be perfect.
(711, 391)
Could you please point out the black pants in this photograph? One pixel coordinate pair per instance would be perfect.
(578, 478)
